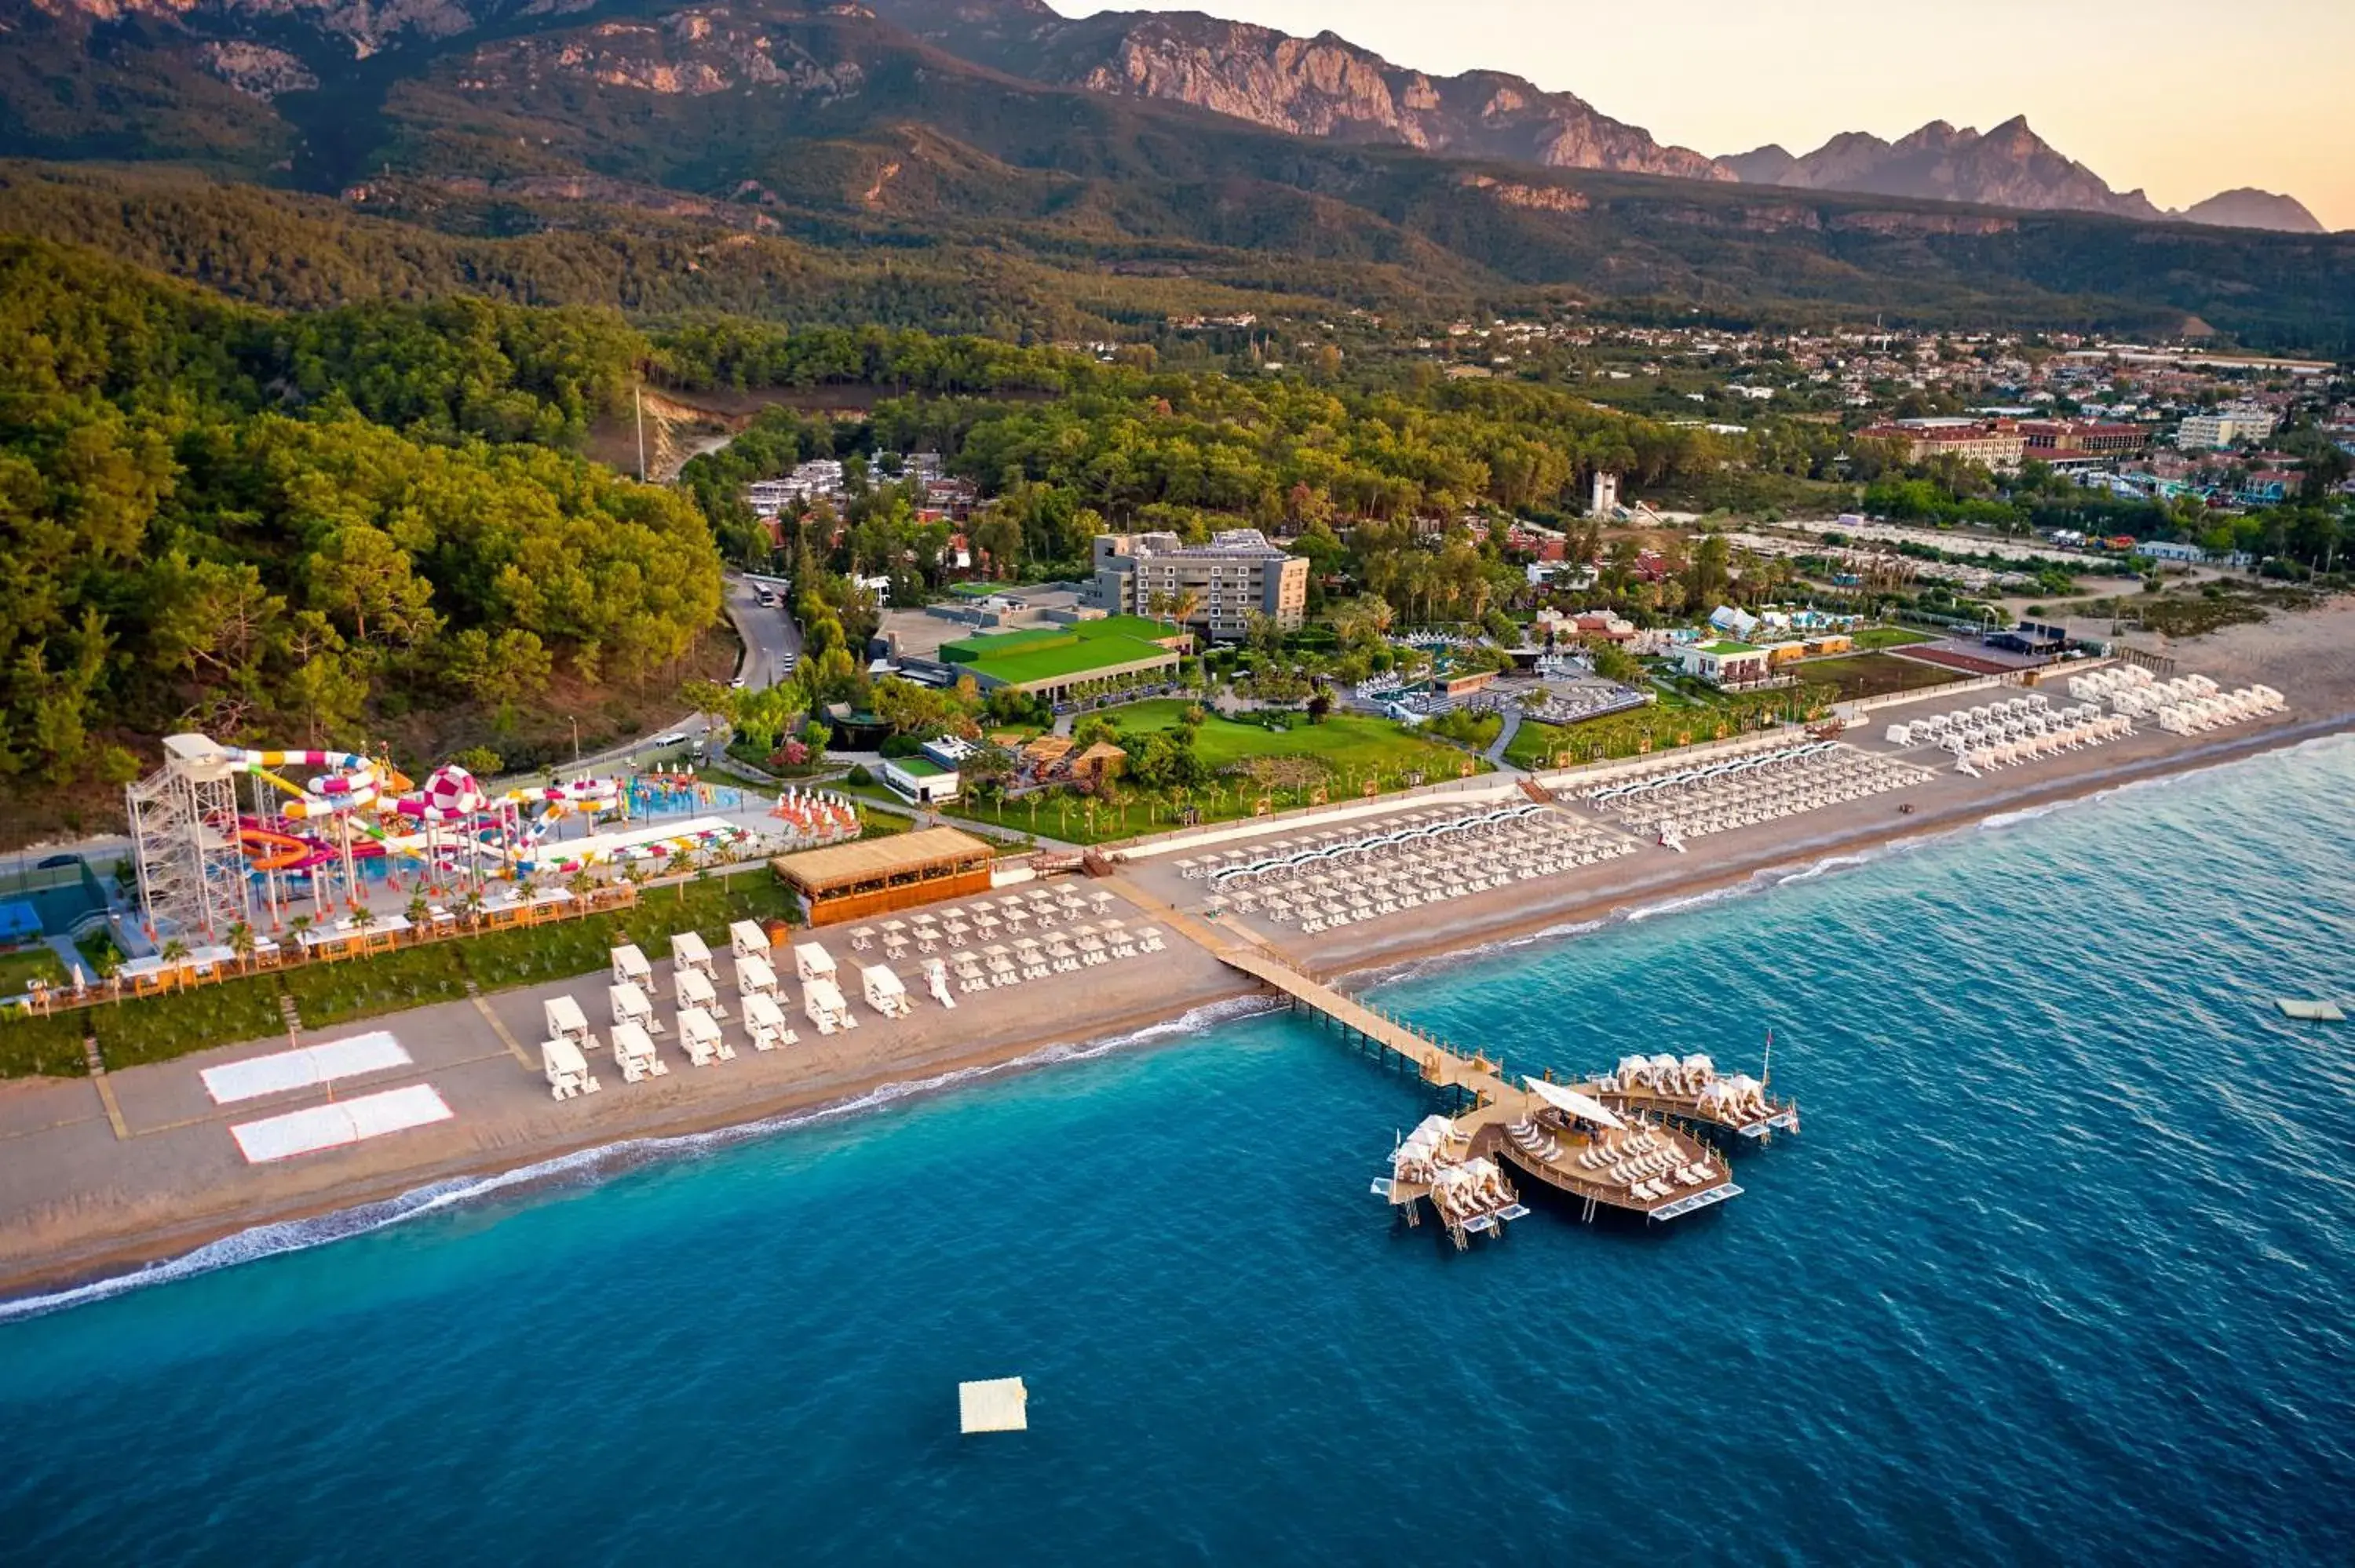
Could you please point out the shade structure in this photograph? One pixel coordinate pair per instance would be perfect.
(1572, 1103)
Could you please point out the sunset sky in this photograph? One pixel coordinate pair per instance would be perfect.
(2182, 98)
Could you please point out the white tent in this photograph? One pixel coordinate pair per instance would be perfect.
(885, 992)
(764, 1020)
(748, 940)
(630, 1005)
(687, 952)
(567, 1069)
(633, 1053)
(564, 1020)
(700, 1037)
(630, 968)
(695, 989)
(812, 962)
(754, 977)
(1572, 1103)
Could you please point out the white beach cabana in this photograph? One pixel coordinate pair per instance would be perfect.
(1569, 1102)
(696, 990)
(822, 1001)
(700, 1037)
(630, 968)
(885, 994)
(565, 1021)
(747, 941)
(567, 1069)
(813, 962)
(764, 1020)
(630, 1006)
(754, 977)
(633, 1053)
(688, 955)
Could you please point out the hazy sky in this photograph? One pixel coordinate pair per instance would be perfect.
(2183, 98)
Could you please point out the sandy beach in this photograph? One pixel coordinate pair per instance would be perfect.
(80, 1201)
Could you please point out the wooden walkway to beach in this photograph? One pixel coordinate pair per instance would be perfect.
(1439, 1064)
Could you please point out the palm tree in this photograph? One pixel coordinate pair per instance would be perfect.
(470, 907)
(1184, 606)
(580, 884)
(240, 942)
(419, 912)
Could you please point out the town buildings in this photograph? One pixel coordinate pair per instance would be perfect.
(1991, 443)
(2228, 426)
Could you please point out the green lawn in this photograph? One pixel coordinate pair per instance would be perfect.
(1019, 658)
(1536, 745)
(29, 964)
(1874, 675)
(1343, 741)
(1353, 750)
(1874, 638)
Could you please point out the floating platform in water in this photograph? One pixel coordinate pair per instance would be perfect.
(993, 1404)
(2311, 1011)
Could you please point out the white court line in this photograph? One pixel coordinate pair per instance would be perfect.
(305, 1068)
(316, 1128)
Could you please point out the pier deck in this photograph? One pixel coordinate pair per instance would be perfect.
(1513, 1124)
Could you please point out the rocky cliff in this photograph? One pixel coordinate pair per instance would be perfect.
(2247, 209)
(1324, 86)
(2011, 165)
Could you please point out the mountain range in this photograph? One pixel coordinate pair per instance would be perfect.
(992, 161)
(2011, 165)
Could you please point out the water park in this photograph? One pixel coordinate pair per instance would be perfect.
(326, 843)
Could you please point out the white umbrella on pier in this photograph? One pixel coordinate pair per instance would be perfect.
(1572, 1102)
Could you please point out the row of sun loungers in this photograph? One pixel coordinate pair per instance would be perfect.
(2070, 729)
(1042, 908)
(1334, 880)
(1772, 787)
(1061, 952)
(1940, 729)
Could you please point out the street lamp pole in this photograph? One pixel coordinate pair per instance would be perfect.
(575, 723)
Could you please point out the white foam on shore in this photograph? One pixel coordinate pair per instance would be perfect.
(585, 1165)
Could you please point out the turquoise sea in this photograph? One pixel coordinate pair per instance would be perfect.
(2059, 1270)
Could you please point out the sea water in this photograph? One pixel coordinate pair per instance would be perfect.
(2059, 1269)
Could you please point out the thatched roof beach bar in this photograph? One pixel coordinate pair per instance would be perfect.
(874, 876)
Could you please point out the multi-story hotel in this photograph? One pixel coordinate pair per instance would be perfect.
(1236, 575)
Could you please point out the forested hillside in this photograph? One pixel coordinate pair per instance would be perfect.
(308, 528)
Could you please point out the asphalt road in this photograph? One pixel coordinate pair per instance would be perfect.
(768, 636)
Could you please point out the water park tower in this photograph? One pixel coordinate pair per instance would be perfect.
(184, 838)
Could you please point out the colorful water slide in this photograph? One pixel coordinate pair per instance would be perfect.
(268, 850)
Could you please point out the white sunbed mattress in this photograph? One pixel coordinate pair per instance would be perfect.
(316, 1128)
(306, 1068)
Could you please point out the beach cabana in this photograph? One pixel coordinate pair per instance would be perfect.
(688, 954)
(633, 1053)
(630, 1006)
(565, 1021)
(813, 962)
(567, 1069)
(700, 1037)
(754, 977)
(747, 941)
(630, 968)
(822, 1001)
(696, 990)
(764, 1020)
(885, 994)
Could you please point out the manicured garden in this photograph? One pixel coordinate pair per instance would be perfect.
(154, 1029)
(27, 964)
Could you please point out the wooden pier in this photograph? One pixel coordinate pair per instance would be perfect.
(1646, 1165)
